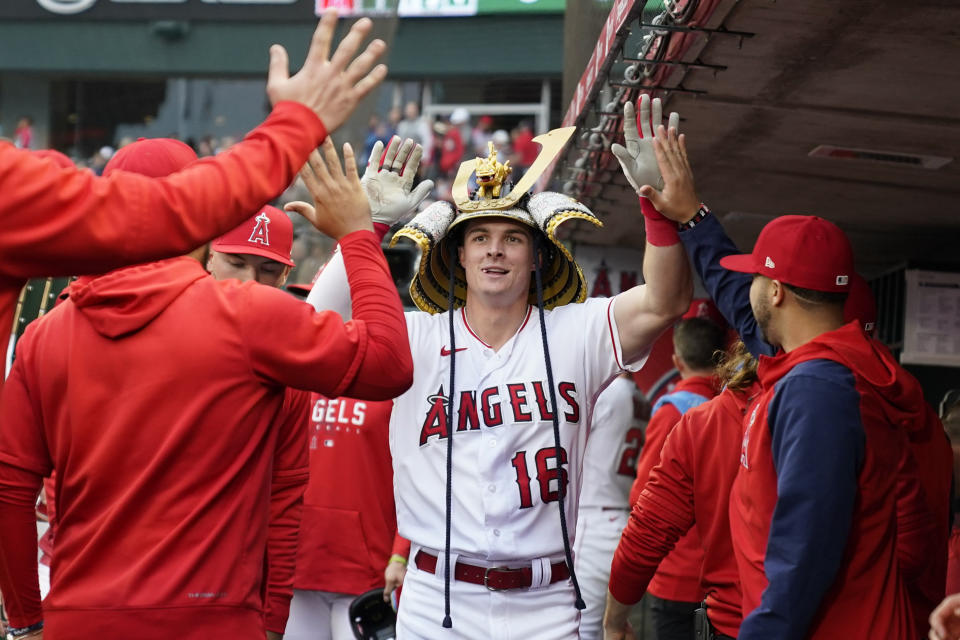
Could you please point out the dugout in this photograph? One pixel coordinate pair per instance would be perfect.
(846, 110)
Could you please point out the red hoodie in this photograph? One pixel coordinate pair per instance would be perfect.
(691, 484)
(813, 510)
(932, 462)
(68, 221)
(154, 391)
(349, 518)
(678, 576)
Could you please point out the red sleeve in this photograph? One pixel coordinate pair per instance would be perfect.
(18, 545)
(916, 525)
(290, 473)
(386, 370)
(401, 547)
(662, 514)
(368, 357)
(68, 221)
(23, 443)
(24, 461)
(656, 434)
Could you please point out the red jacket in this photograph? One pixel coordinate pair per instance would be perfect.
(286, 491)
(349, 518)
(678, 576)
(691, 484)
(155, 391)
(284, 522)
(68, 221)
(934, 466)
(837, 405)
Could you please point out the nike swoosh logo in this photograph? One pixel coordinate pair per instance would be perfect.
(445, 352)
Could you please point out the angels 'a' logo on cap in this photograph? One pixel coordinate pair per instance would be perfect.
(768, 263)
(261, 231)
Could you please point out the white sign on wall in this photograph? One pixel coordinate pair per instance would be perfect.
(931, 329)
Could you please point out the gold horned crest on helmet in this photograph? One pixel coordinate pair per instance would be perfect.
(491, 174)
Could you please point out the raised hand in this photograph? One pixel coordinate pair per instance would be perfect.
(678, 199)
(638, 159)
(388, 188)
(339, 204)
(330, 87)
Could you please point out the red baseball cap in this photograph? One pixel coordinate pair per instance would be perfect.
(860, 304)
(154, 157)
(706, 309)
(268, 234)
(804, 251)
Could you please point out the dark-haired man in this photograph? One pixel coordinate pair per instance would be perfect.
(813, 509)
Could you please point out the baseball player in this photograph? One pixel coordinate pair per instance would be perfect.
(154, 392)
(488, 444)
(259, 251)
(67, 221)
(609, 464)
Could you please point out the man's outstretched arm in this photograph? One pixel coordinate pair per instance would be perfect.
(388, 184)
(367, 357)
(706, 243)
(68, 221)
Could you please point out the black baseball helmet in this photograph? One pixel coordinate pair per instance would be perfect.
(371, 618)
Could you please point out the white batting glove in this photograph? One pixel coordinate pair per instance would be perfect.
(637, 159)
(388, 188)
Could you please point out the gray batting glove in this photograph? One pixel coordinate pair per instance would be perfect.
(388, 188)
(637, 159)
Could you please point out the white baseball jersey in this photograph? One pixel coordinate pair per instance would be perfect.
(505, 479)
(616, 435)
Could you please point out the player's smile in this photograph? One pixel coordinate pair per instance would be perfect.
(495, 271)
(497, 257)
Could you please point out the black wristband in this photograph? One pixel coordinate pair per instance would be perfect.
(15, 632)
(702, 213)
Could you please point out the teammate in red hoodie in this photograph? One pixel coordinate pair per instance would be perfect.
(67, 221)
(813, 509)
(675, 589)
(690, 486)
(259, 251)
(922, 509)
(154, 392)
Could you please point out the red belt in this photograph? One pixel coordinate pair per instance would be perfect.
(493, 578)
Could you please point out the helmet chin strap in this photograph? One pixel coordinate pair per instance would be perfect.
(561, 473)
(447, 620)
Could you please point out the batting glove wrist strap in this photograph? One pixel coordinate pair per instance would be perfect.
(661, 232)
